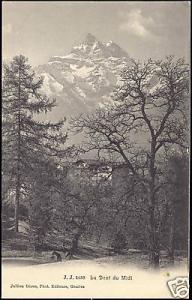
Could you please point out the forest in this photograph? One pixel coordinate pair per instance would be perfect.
(133, 191)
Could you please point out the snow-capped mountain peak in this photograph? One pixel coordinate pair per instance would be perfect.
(94, 48)
(90, 39)
(85, 78)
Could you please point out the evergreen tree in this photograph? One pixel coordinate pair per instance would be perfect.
(27, 142)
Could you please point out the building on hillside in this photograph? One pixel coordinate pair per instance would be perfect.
(90, 169)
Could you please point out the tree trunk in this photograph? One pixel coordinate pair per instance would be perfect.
(154, 258)
(171, 257)
(18, 180)
(17, 197)
(99, 236)
(154, 234)
(171, 235)
(75, 242)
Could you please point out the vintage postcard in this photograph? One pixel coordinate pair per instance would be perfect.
(95, 149)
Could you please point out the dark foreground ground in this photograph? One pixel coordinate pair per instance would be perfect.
(131, 256)
(16, 252)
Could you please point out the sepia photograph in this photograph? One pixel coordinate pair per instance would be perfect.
(95, 149)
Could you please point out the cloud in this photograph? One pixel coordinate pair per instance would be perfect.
(137, 24)
(7, 29)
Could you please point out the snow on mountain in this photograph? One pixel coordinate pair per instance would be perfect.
(85, 78)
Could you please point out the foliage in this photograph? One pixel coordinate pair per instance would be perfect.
(27, 142)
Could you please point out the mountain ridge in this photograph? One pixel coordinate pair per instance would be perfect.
(85, 78)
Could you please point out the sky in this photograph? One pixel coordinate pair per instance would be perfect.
(41, 29)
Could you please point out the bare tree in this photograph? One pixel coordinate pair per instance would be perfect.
(148, 118)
